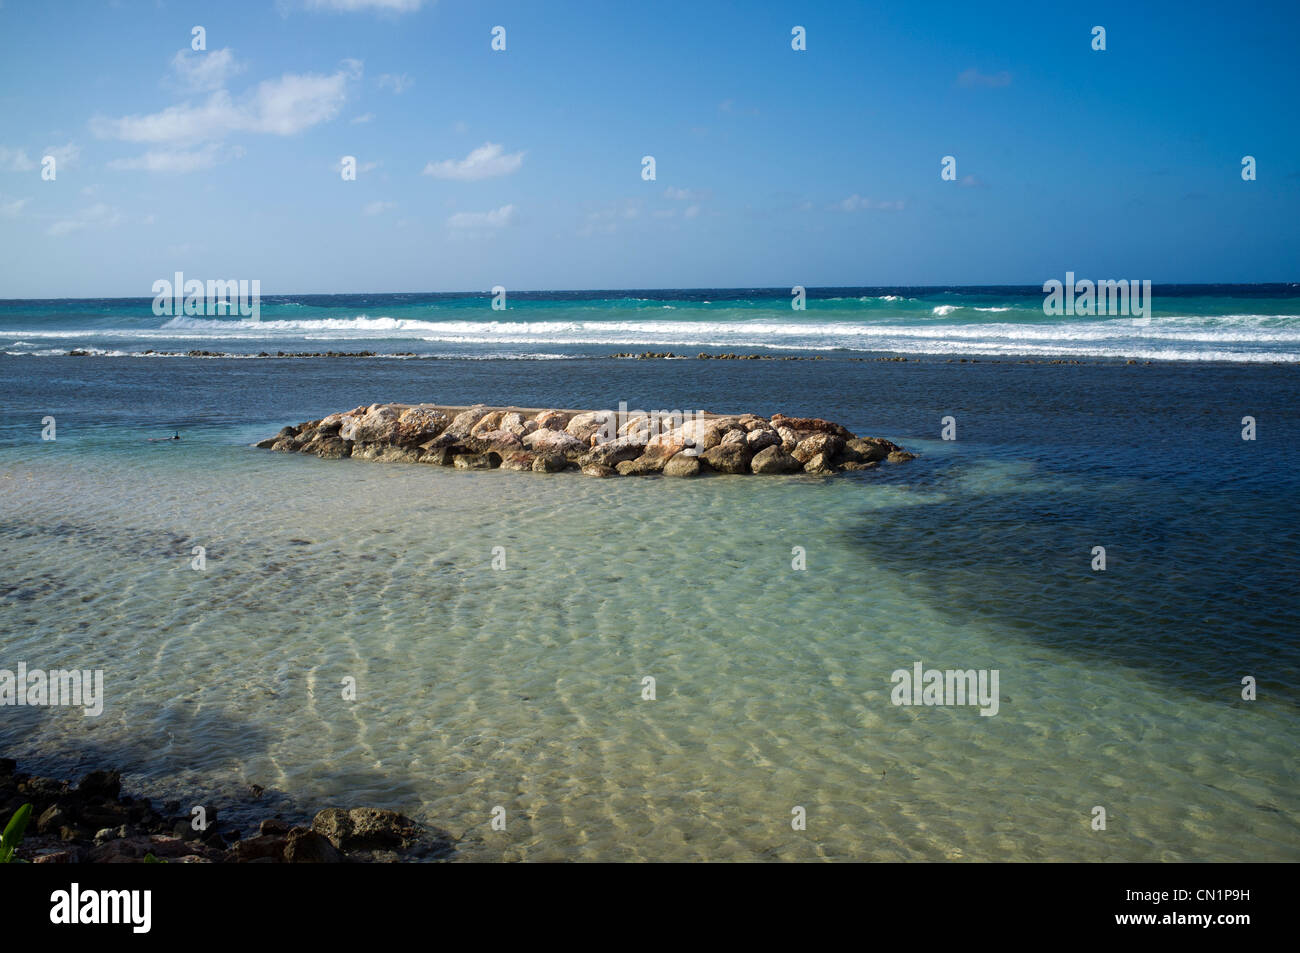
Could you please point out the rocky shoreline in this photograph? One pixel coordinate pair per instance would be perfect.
(598, 443)
(93, 822)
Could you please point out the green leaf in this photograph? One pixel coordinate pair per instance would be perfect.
(13, 833)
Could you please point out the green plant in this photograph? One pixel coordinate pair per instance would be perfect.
(149, 858)
(13, 834)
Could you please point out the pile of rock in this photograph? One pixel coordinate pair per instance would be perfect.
(93, 822)
(599, 443)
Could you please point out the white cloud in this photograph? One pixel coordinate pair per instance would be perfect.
(176, 160)
(351, 6)
(399, 83)
(202, 71)
(97, 216)
(484, 162)
(15, 160)
(11, 209)
(685, 195)
(281, 107)
(856, 202)
(378, 208)
(497, 218)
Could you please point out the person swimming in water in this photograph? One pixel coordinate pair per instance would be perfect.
(175, 436)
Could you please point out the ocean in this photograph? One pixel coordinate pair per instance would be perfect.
(522, 687)
(1185, 323)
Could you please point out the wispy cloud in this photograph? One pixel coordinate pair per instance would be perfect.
(364, 117)
(177, 160)
(281, 107)
(686, 195)
(398, 83)
(204, 71)
(11, 209)
(485, 162)
(496, 218)
(855, 203)
(378, 208)
(15, 160)
(96, 216)
(973, 77)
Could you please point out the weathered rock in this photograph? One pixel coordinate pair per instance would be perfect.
(736, 436)
(438, 456)
(613, 453)
(761, 437)
(379, 425)
(820, 464)
(598, 470)
(549, 463)
(683, 465)
(642, 465)
(858, 465)
(500, 440)
(262, 847)
(811, 424)
(827, 444)
(867, 449)
(475, 461)
(364, 828)
(107, 784)
(514, 423)
(584, 426)
(900, 456)
(552, 420)
(305, 846)
(553, 441)
(773, 459)
(488, 422)
(729, 458)
(518, 460)
(419, 424)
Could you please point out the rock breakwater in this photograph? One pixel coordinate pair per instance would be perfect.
(600, 443)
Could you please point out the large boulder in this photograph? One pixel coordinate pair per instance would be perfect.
(820, 464)
(378, 425)
(553, 441)
(518, 460)
(305, 846)
(418, 424)
(549, 463)
(774, 460)
(824, 443)
(612, 453)
(489, 421)
(552, 420)
(683, 465)
(760, 437)
(364, 828)
(645, 464)
(867, 449)
(729, 458)
(583, 427)
(811, 425)
(598, 470)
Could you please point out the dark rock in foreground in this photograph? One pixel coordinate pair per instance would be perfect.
(599, 443)
(93, 822)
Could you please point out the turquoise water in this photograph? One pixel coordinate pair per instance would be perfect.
(1185, 322)
(521, 688)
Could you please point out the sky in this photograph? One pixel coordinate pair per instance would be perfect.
(523, 167)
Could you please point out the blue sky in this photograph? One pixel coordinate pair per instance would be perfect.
(523, 167)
